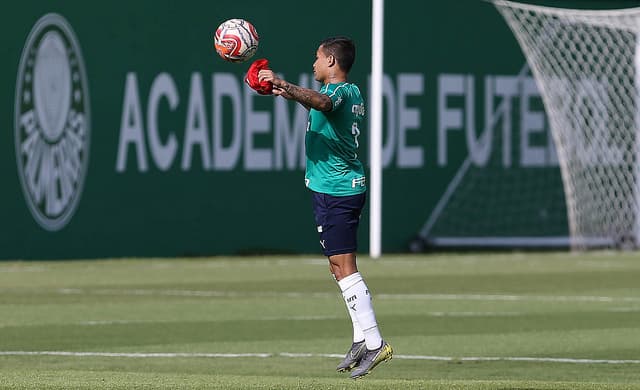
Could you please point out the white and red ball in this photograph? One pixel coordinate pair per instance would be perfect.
(236, 40)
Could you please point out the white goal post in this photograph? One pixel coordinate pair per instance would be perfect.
(375, 152)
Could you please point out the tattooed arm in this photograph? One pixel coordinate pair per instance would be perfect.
(305, 96)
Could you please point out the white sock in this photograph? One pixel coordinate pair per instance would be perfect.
(358, 335)
(356, 296)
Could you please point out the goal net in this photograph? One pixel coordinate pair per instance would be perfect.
(502, 196)
(584, 63)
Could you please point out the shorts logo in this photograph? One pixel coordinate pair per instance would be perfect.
(52, 122)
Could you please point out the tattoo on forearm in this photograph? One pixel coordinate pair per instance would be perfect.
(309, 97)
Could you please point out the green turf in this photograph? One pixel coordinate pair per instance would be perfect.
(509, 305)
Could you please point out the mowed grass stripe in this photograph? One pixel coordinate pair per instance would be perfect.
(59, 336)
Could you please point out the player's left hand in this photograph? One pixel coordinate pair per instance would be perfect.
(278, 84)
(270, 76)
(263, 87)
(281, 92)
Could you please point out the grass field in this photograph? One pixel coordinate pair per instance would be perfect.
(469, 321)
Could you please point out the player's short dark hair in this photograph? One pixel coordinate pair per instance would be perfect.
(343, 49)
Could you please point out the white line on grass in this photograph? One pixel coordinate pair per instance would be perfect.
(274, 318)
(135, 354)
(279, 318)
(316, 355)
(474, 314)
(507, 297)
(18, 268)
(193, 293)
(427, 297)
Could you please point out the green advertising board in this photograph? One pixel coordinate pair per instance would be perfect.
(126, 135)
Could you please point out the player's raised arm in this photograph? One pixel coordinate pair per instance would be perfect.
(305, 96)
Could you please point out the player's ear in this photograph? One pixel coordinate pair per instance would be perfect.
(331, 60)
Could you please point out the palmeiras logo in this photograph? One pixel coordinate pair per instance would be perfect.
(52, 122)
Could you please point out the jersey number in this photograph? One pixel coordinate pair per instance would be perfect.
(355, 132)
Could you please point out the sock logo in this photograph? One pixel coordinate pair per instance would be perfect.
(353, 307)
(352, 298)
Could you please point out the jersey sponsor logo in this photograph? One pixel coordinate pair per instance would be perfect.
(338, 102)
(358, 109)
(52, 122)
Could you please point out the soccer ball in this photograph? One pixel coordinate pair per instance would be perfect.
(236, 40)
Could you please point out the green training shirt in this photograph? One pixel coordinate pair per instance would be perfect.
(332, 142)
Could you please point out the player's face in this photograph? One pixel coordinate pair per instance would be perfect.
(320, 66)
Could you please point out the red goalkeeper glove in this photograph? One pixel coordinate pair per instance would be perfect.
(264, 87)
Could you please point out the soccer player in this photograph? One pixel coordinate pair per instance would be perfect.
(337, 181)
